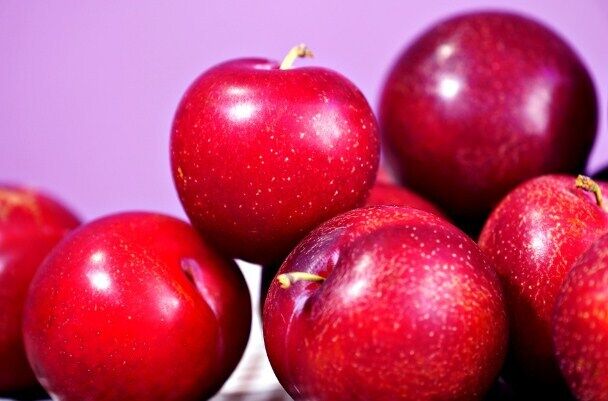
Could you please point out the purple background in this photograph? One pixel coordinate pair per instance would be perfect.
(88, 91)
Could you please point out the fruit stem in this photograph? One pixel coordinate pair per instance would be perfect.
(287, 279)
(589, 185)
(300, 50)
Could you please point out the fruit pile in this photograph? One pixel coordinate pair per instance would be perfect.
(495, 288)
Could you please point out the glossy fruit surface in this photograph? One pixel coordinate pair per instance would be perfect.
(135, 307)
(580, 328)
(31, 224)
(381, 194)
(480, 103)
(394, 195)
(534, 237)
(261, 155)
(409, 309)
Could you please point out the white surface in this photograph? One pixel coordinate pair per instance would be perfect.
(254, 374)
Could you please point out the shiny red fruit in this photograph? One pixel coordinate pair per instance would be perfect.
(135, 307)
(482, 102)
(534, 237)
(394, 195)
(381, 194)
(261, 155)
(408, 308)
(580, 326)
(30, 225)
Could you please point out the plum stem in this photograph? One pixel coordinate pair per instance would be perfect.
(300, 50)
(287, 279)
(589, 185)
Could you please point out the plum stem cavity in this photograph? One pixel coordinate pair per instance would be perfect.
(589, 185)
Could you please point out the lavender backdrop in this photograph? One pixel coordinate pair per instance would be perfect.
(88, 89)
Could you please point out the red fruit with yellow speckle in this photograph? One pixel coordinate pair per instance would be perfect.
(580, 326)
(480, 103)
(381, 194)
(386, 303)
(262, 153)
(534, 237)
(30, 225)
(135, 307)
